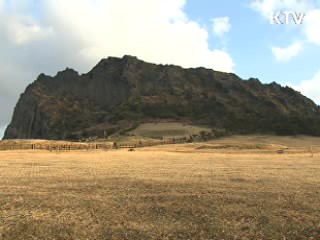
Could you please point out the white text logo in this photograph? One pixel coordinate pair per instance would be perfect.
(285, 17)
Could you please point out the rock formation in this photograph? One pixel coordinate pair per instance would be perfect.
(120, 93)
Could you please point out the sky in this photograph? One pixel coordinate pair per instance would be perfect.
(46, 36)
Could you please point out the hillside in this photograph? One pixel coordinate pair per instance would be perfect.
(120, 93)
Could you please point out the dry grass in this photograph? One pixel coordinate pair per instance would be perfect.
(159, 193)
(290, 141)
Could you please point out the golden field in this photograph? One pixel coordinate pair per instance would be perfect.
(233, 188)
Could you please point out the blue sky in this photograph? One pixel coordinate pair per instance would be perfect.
(251, 38)
(232, 36)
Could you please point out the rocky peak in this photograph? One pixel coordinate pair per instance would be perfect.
(67, 72)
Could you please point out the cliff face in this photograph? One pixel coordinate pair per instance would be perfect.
(119, 93)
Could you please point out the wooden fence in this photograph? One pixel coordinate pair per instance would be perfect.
(314, 149)
(88, 146)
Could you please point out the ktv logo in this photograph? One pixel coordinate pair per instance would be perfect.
(286, 17)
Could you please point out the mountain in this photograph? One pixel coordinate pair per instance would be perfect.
(119, 93)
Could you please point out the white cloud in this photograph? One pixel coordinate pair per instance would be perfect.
(265, 7)
(285, 54)
(23, 31)
(157, 31)
(78, 33)
(269, 7)
(221, 26)
(312, 25)
(310, 88)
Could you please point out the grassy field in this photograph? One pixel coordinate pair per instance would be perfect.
(167, 129)
(166, 192)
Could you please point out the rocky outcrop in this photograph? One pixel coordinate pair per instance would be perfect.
(119, 93)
